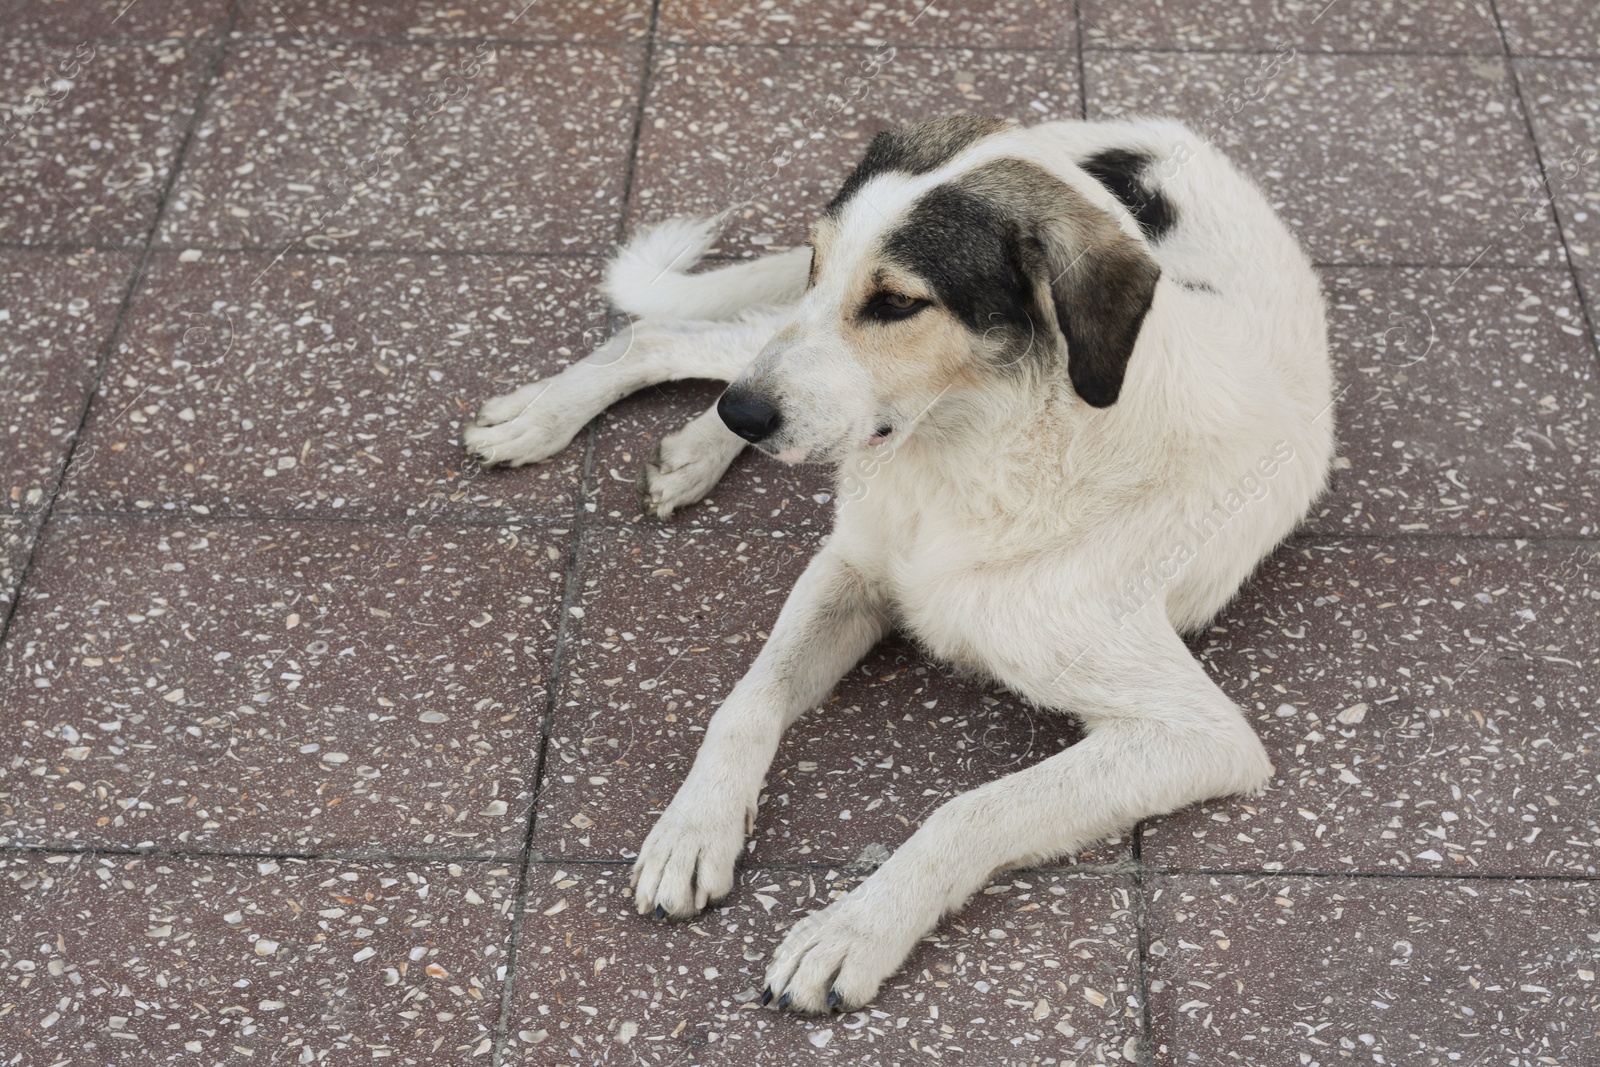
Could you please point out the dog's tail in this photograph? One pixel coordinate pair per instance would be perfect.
(648, 278)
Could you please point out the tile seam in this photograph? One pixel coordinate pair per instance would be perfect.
(797, 534)
(554, 689)
(339, 856)
(108, 347)
(570, 593)
(1544, 176)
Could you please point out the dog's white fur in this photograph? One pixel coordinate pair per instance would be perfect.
(1013, 529)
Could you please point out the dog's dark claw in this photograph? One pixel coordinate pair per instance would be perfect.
(766, 996)
(661, 913)
(833, 999)
(783, 1001)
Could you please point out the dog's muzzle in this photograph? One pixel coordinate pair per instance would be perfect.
(749, 416)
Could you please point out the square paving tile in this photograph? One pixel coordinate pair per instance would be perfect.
(757, 492)
(1429, 705)
(1018, 24)
(1372, 970)
(334, 386)
(1041, 969)
(1550, 27)
(90, 132)
(410, 146)
(57, 311)
(1370, 159)
(570, 20)
(1467, 403)
(768, 134)
(319, 687)
(1564, 97)
(117, 959)
(671, 620)
(87, 19)
(1308, 25)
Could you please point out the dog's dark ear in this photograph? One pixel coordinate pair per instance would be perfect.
(1101, 285)
(1093, 279)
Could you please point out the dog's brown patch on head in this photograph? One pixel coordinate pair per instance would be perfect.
(906, 358)
(1017, 255)
(916, 149)
(987, 273)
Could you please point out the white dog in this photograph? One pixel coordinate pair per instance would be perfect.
(1075, 379)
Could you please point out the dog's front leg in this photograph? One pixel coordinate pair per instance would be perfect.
(537, 421)
(830, 620)
(1161, 735)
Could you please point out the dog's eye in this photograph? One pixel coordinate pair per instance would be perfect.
(889, 307)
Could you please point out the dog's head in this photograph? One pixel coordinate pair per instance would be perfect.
(931, 274)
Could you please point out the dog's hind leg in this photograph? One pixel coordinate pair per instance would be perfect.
(1161, 735)
(685, 465)
(539, 420)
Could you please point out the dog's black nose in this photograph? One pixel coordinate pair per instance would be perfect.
(748, 416)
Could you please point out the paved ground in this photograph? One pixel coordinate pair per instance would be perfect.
(318, 746)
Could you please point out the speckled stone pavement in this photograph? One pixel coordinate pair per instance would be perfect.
(318, 745)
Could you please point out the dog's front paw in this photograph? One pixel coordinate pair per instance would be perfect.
(687, 861)
(526, 426)
(681, 471)
(835, 959)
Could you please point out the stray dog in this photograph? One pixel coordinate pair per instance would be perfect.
(1075, 381)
